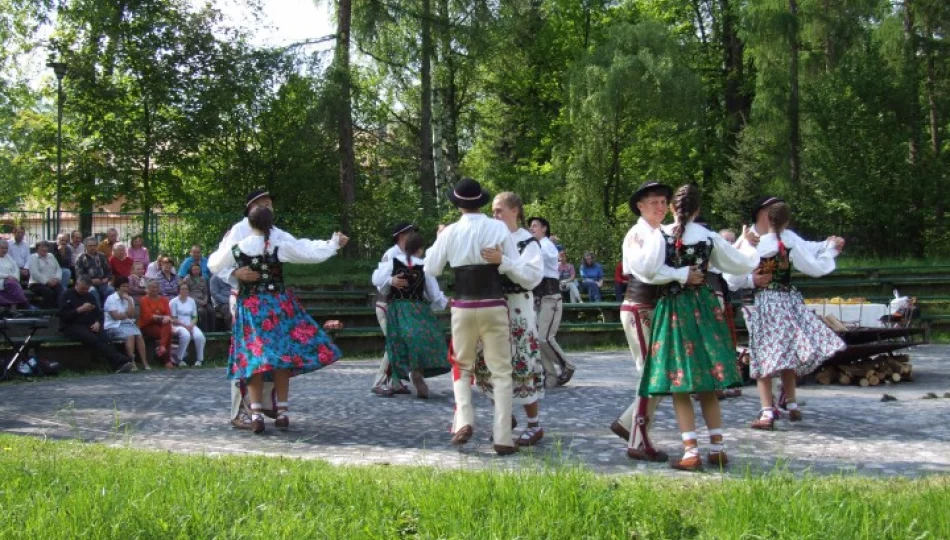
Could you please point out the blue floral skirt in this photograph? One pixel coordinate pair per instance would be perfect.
(270, 332)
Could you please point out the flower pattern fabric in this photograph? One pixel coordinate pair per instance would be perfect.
(785, 334)
(527, 373)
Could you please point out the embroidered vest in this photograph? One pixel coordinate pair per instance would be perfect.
(416, 277)
(688, 255)
(268, 265)
(508, 286)
(780, 268)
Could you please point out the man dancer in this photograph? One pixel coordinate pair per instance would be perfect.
(549, 304)
(384, 385)
(479, 311)
(650, 201)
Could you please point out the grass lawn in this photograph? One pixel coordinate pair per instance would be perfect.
(76, 490)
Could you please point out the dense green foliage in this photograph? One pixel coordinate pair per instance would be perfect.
(57, 490)
(839, 105)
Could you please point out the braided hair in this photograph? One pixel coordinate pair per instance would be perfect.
(779, 214)
(686, 202)
(261, 218)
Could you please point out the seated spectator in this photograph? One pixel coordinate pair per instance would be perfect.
(95, 266)
(77, 245)
(120, 322)
(107, 245)
(137, 281)
(138, 251)
(64, 256)
(120, 262)
(79, 319)
(46, 277)
(195, 258)
(592, 277)
(221, 299)
(155, 321)
(154, 268)
(185, 325)
(11, 296)
(620, 282)
(167, 278)
(198, 287)
(567, 275)
(20, 251)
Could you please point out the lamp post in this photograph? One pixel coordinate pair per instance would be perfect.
(59, 68)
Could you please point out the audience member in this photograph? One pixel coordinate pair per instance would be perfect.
(195, 258)
(138, 251)
(155, 321)
(77, 245)
(120, 322)
(154, 268)
(20, 251)
(137, 281)
(120, 262)
(11, 296)
(107, 245)
(167, 278)
(80, 320)
(221, 299)
(198, 286)
(64, 256)
(620, 282)
(592, 277)
(94, 265)
(46, 277)
(567, 275)
(185, 325)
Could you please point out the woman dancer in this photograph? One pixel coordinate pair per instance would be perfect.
(691, 348)
(519, 277)
(415, 342)
(274, 337)
(787, 339)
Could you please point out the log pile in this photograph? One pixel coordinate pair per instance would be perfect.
(883, 369)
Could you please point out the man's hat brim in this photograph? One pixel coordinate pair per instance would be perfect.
(646, 189)
(467, 202)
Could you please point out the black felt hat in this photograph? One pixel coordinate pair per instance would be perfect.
(403, 227)
(764, 203)
(253, 196)
(547, 226)
(648, 188)
(469, 194)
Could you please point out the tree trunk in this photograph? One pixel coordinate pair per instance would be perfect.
(613, 179)
(829, 41)
(345, 121)
(910, 79)
(450, 106)
(146, 188)
(426, 165)
(737, 103)
(794, 129)
(932, 99)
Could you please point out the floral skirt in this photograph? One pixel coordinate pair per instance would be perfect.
(415, 340)
(527, 372)
(270, 332)
(785, 334)
(691, 346)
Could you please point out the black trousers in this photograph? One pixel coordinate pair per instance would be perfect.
(48, 297)
(97, 341)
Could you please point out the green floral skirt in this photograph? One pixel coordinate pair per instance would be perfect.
(415, 340)
(690, 347)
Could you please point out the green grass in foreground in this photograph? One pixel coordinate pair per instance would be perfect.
(75, 490)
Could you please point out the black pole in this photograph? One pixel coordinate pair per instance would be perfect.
(59, 154)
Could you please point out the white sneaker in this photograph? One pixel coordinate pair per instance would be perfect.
(198, 363)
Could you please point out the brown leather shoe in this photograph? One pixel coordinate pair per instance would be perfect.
(688, 463)
(462, 436)
(763, 423)
(620, 431)
(530, 436)
(565, 377)
(422, 389)
(795, 415)
(257, 426)
(505, 450)
(717, 459)
(241, 422)
(644, 454)
(382, 391)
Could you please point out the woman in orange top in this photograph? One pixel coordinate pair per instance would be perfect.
(155, 320)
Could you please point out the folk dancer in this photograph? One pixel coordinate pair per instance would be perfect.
(549, 306)
(786, 339)
(479, 311)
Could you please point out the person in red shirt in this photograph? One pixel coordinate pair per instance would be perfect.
(120, 262)
(620, 282)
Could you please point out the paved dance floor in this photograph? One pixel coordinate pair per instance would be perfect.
(336, 418)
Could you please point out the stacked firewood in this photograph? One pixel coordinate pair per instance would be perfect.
(883, 369)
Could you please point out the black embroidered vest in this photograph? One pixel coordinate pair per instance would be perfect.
(416, 277)
(689, 255)
(780, 268)
(508, 286)
(269, 267)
